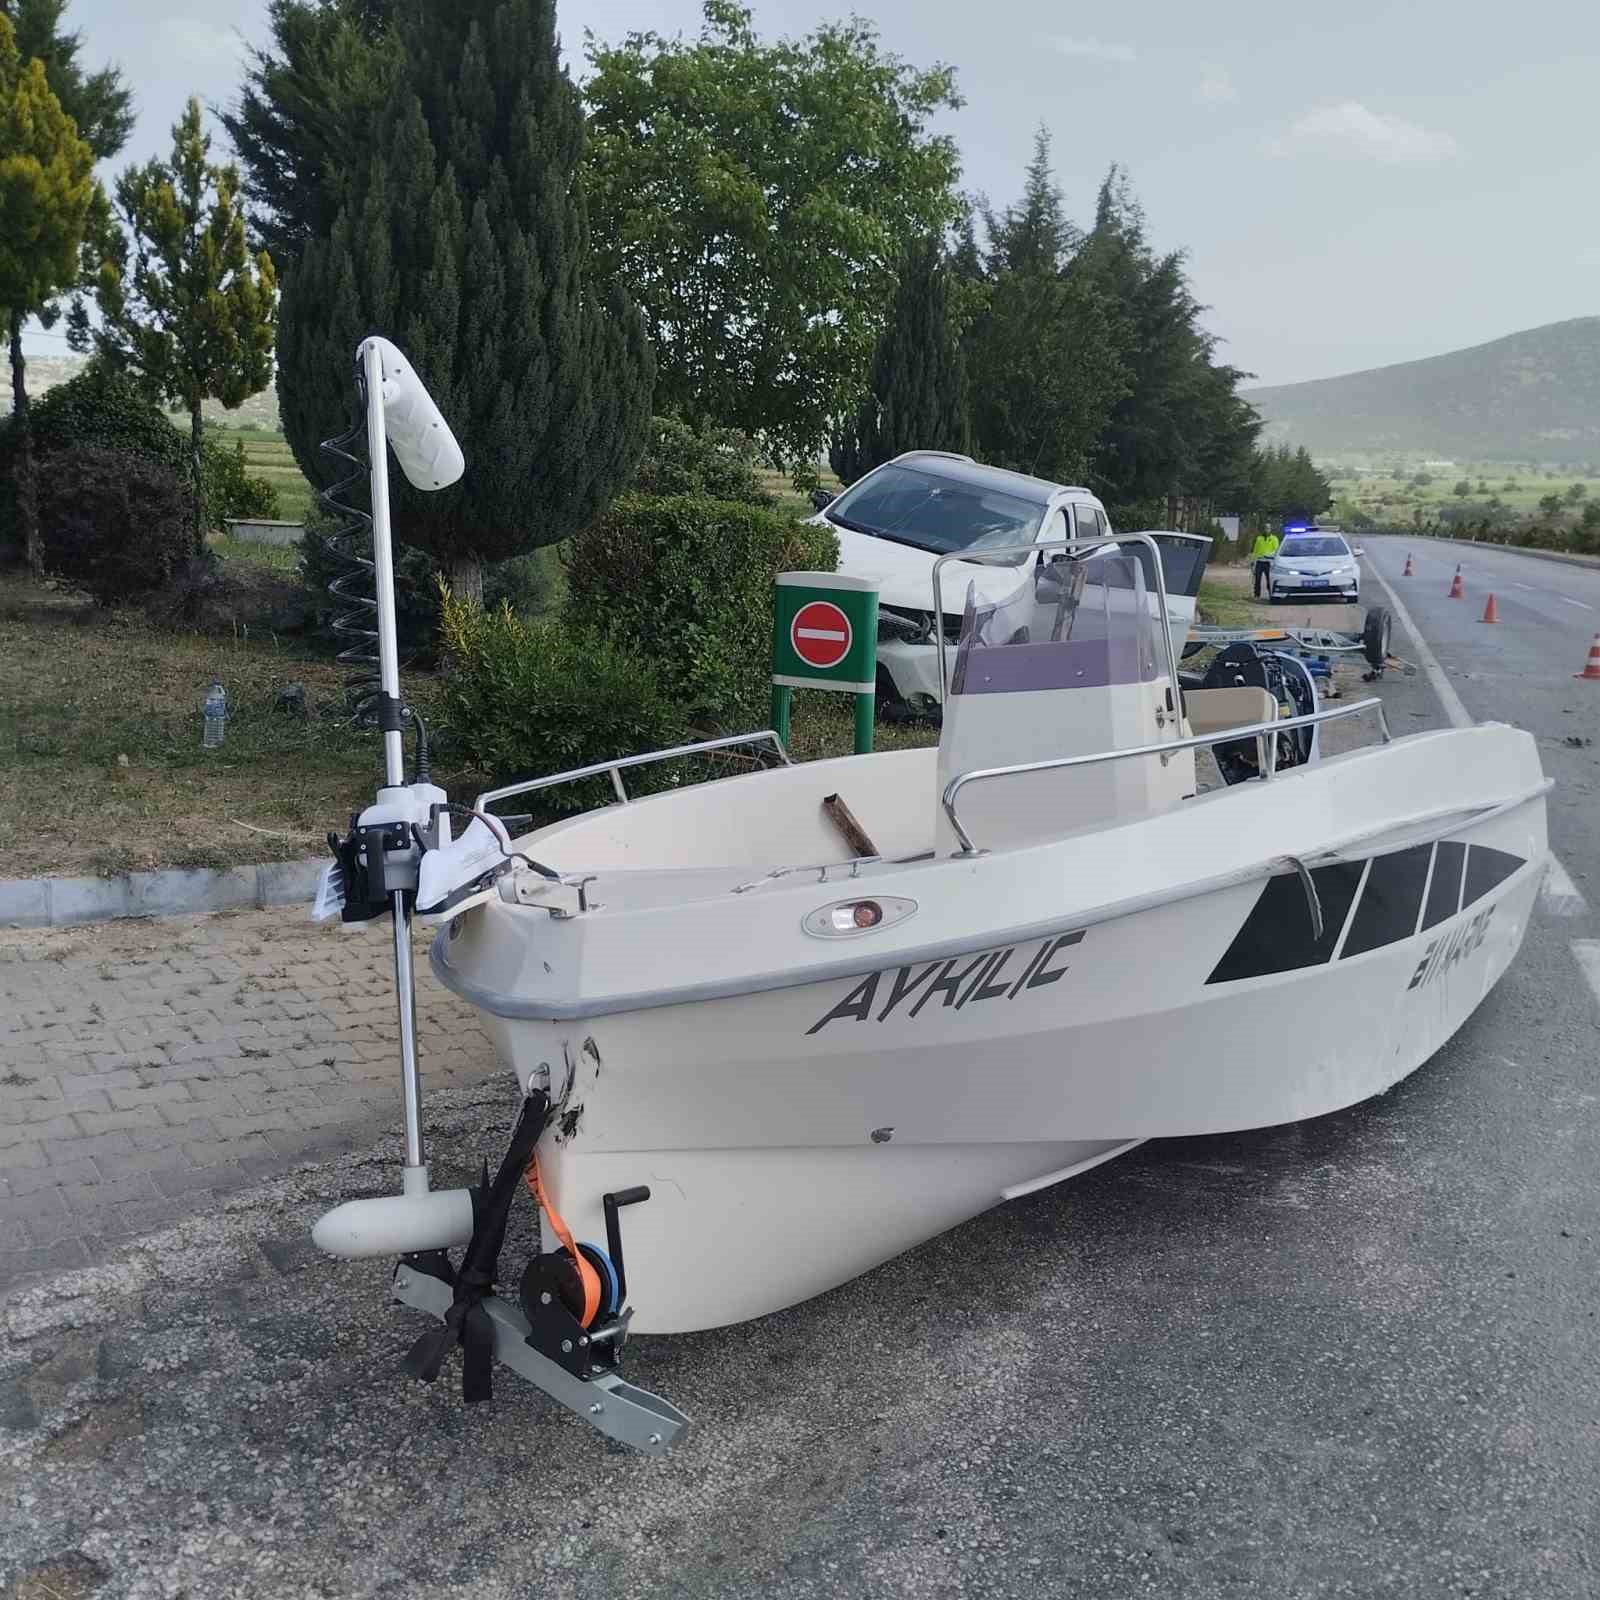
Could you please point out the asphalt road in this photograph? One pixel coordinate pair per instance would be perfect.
(1351, 1357)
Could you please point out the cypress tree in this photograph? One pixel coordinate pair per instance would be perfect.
(918, 398)
(464, 237)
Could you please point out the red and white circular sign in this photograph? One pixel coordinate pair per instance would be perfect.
(820, 634)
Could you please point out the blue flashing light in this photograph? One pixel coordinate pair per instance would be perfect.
(1297, 527)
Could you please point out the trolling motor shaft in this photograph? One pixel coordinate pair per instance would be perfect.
(395, 847)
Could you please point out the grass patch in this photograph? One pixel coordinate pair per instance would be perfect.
(81, 688)
(257, 553)
(102, 770)
(1223, 604)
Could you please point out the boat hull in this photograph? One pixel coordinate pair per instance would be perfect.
(797, 1136)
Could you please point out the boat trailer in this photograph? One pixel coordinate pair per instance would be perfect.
(1313, 646)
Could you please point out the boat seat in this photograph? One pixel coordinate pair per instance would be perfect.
(1213, 710)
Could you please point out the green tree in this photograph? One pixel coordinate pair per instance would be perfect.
(100, 105)
(1178, 433)
(305, 114)
(465, 237)
(193, 314)
(1462, 488)
(756, 198)
(1033, 235)
(1550, 505)
(1043, 364)
(1576, 493)
(917, 399)
(48, 200)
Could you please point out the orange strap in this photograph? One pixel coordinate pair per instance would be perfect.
(587, 1276)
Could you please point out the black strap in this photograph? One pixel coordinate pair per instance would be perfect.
(467, 1323)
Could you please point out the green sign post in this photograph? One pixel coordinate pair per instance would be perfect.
(825, 636)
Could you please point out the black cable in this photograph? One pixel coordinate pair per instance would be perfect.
(424, 772)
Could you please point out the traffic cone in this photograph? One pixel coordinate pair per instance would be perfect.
(1455, 585)
(1407, 573)
(1591, 668)
(1490, 614)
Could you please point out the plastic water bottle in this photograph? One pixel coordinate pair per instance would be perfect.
(216, 715)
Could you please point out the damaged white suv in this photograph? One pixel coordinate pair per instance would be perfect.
(897, 520)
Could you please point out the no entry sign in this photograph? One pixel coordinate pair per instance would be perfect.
(825, 631)
(825, 636)
(820, 634)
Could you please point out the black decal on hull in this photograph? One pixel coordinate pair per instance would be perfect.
(1047, 973)
(857, 1004)
(949, 987)
(1444, 893)
(904, 985)
(1390, 902)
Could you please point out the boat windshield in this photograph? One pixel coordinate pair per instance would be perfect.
(944, 515)
(1073, 623)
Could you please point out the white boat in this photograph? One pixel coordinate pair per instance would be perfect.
(798, 1020)
(1057, 949)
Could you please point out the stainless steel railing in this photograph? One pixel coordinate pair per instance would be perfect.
(616, 768)
(1261, 732)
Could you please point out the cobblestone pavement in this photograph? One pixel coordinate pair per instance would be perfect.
(143, 1063)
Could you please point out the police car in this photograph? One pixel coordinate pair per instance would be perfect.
(1312, 563)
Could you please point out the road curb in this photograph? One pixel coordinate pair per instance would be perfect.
(180, 891)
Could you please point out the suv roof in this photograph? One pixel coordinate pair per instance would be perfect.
(965, 470)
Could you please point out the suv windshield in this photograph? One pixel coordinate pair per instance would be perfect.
(1325, 546)
(943, 515)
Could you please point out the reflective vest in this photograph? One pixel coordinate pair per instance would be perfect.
(1265, 547)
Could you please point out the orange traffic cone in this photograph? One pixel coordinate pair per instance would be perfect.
(1407, 573)
(1591, 668)
(1455, 585)
(1490, 614)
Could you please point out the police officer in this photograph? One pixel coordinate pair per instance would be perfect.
(1261, 554)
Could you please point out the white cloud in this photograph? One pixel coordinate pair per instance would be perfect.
(1350, 128)
(1215, 88)
(1093, 49)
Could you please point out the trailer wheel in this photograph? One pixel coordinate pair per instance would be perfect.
(1375, 637)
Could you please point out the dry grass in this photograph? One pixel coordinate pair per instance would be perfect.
(101, 768)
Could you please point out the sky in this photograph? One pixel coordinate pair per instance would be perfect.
(1355, 183)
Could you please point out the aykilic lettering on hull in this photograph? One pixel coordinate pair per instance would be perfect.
(957, 983)
(1443, 954)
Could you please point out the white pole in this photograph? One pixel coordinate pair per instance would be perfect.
(383, 560)
(416, 1175)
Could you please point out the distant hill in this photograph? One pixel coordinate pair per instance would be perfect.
(45, 372)
(1532, 396)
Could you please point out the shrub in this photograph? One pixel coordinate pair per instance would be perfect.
(687, 580)
(231, 489)
(717, 462)
(525, 698)
(107, 410)
(113, 524)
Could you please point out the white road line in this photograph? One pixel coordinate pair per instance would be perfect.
(1448, 698)
(1528, 586)
(1559, 895)
(1569, 601)
(1587, 954)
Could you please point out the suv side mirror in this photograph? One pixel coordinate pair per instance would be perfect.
(821, 499)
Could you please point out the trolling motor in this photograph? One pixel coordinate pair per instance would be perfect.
(398, 859)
